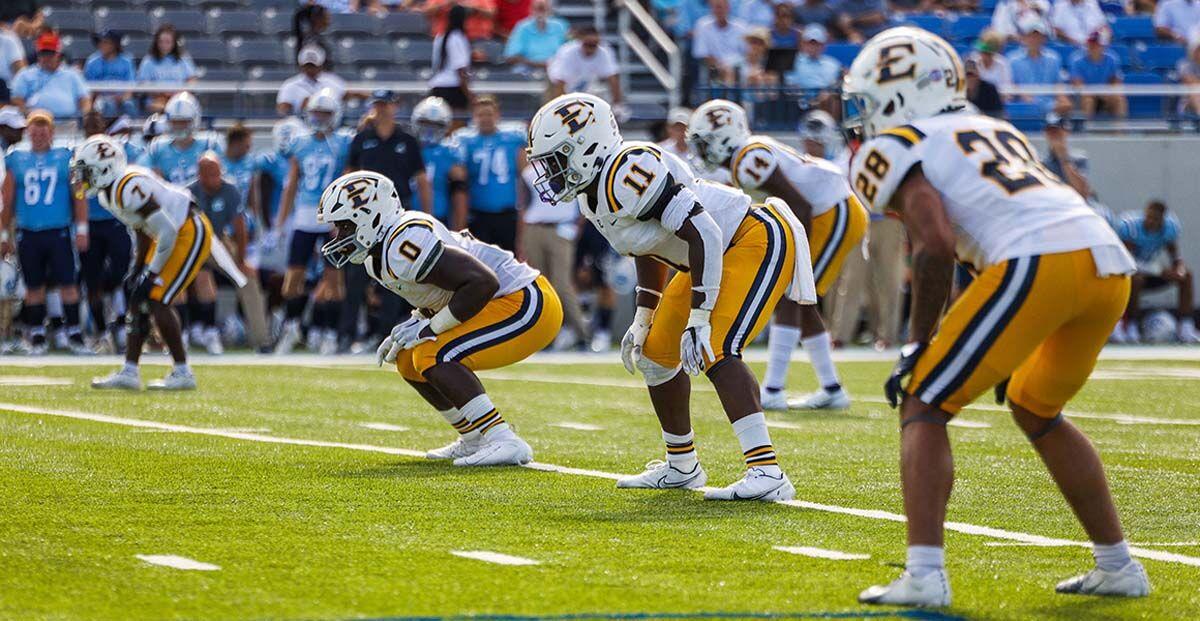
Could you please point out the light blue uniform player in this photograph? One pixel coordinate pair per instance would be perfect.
(175, 156)
(431, 120)
(493, 155)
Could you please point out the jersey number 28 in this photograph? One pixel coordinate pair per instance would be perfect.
(1014, 166)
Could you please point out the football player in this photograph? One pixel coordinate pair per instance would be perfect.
(176, 154)
(734, 261)
(173, 241)
(1052, 280)
(431, 123)
(817, 192)
(477, 308)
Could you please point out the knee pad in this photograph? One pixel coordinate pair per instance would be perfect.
(655, 374)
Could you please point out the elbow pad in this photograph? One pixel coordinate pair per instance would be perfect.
(710, 235)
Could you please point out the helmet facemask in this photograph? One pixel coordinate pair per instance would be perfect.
(556, 182)
(710, 155)
(346, 247)
(430, 132)
(82, 177)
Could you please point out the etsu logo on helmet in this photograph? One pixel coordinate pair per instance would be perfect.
(887, 59)
(356, 192)
(719, 117)
(576, 115)
(104, 150)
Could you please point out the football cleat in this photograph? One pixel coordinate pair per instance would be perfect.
(460, 447)
(329, 343)
(511, 451)
(822, 400)
(1187, 332)
(38, 346)
(289, 339)
(929, 591)
(78, 347)
(1133, 334)
(175, 380)
(755, 485)
(662, 475)
(119, 380)
(212, 342)
(1129, 581)
(773, 400)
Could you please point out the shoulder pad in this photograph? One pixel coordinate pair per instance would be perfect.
(634, 180)
(881, 164)
(411, 249)
(753, 164)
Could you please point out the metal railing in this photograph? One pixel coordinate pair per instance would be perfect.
(670, 76)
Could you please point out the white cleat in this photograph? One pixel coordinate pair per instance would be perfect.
(755, 485)
(929, 591)
(511, 451)
(289, 339)
(1133, 334)
(1129, 581)
(329, 344)
(822, 400)
(175, 380)
(454, 450)
(1188, 333)
(773, 400)
(119, 380)
(212, 342)
(662, 475)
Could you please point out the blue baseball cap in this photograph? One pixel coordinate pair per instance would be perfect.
(383, 95)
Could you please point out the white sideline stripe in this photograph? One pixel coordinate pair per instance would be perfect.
(177, 562)
(1166, 544)
(783, 424)
(33, 380)
(577, 426)
(494, 557)
(225, 429)
(969, 529)
(383, 427)
(832, 555)
(969, 424)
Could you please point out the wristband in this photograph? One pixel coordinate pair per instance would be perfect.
(699, 317)
(644, 315)
(81, 228)
(443, 320)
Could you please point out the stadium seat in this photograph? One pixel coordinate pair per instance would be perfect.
(223, 74)
(257, 52)
(271, 74)
(405, 24)
(186, 21)
(208, 52)
(362, 53)
(221, 4)
(1145, 105)
(933, 23)
(1161, 57)
(229, 23)
(966, 28)
(843, 52)
(276, 23)
(57, 5)
(416, 53)
(1133, 28)
(492, 51)
(77, 48)
(136, 44)
(123, 21)
(71, 20)
(352, 24)
(1025, 116)
(1124, 54)
(390, 75)
(169, 5)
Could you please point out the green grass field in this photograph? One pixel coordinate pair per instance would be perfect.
(352, 528)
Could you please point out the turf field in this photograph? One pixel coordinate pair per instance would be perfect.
(300, 492)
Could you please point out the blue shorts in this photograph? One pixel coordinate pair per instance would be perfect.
(47, 257)
(302, 247)
(110, 250)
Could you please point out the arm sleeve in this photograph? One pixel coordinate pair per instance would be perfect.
(159, 226)
(879, 167)
(754, 165)
(412, 252)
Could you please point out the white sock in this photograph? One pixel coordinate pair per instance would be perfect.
(1111, 557)
(482, 417)
(781, 342)
(820, 354)
(755, 440)
(924, 560)
(681, 452)
(131, 367)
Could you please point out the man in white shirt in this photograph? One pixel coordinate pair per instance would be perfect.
(1174, 19)
(582, 62)
(1007, 17)
(719, 42)
(548, 245)
(1074, 20)
(312, 78)
(12, 54)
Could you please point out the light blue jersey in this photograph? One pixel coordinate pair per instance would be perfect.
(42, 187)
(1145, 245)
(240, 173)
(321, 159)
(439, 158)
(176, 165)
(273, 166)
(491, 162)
(96, 213)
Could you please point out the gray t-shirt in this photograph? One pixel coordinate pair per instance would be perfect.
(221, 208)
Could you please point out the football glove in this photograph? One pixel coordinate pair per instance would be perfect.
(696, 342)
(635, 338)
(894, 387)
(404, 336)
(140, 292)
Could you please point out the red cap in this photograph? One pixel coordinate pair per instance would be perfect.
(48, 42)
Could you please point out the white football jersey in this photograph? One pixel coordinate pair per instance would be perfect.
(139, 193)
(414, 244)
(644, 195)
(819, 181)
(999, 198)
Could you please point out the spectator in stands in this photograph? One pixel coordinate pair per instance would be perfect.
(1075, 20)
(719, 43)
(1188, 70)
(12, 128)
(509, 13)
(1035, 65)
(1174, 20)
(814, 69)
(451, 78)
(308, 28)
(548, 245)
(166, 62)
(992, 65)
(493, 156)
(12, 59)
(110, 64)
(1010, 14)
(478, 21)
(816, 12)
(312, 78)
(676, 126)
(981, 92)
(1068, 165)
(49, 84)
(753, 69)
(1097, 65)
(860, 20)
(24, 16)
(756, 13)
(578, 65)
(784, 34)
(536, 38)
(902, 7)
(1153, 239)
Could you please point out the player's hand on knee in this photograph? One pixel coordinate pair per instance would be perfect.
(696, 342)
(406, 335)
(140, 292)
(635, 338)
(909, 354)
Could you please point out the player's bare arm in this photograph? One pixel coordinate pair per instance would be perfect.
(472, 282)
(932, 240)
(778, 185)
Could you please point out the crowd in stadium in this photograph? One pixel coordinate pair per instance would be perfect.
(459, 157)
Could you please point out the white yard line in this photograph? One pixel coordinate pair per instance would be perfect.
(224, 429)
(33, 380)
(494, 557)
(382, 427)
(577, 426)
(177, 562)
(1166, 544)
(969, 529)
(832, 555)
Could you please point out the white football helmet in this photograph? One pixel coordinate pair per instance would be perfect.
(361, 206)
(902, 75)
(183, 115)
(717, 128)
(284, 131)
(97, 164)
(323, 111)
(820, 127)
(430, 119)
(569, 140)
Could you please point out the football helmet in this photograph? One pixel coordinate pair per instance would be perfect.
(819, 126)
(361, 206)
(323, 111)
(183, 115)
(97, 164)
(569, 140)
(901, 75)
(717, 128)
(430, 119)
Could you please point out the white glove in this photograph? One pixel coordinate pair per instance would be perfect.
(696, 342)
(404, 336)
(635, 338)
